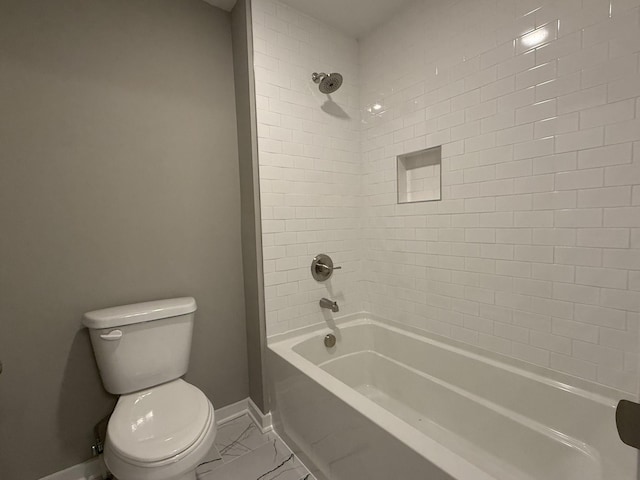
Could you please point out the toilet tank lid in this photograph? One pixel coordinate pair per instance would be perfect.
(139, 312)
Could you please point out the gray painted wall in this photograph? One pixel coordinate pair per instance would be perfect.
(119, 183)
(250, 197)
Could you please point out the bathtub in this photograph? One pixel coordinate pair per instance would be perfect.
(386, 402)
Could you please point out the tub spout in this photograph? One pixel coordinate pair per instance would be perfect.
(326, 303)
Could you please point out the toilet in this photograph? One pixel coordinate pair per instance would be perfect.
(162, 427)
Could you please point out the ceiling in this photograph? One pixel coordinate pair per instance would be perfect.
(354, 18)
(223, 4)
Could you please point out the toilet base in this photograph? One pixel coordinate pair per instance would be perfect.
(186, 476)
(189, 476)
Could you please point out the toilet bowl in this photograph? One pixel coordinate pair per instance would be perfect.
(162, 427)
(161, 433)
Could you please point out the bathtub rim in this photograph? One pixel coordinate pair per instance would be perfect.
(450, 462)
(594, 391)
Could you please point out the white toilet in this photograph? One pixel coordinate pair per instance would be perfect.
(162, 427)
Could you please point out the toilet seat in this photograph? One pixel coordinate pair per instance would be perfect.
(159, 425)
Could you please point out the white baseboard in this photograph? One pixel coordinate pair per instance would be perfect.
(243, 407)
(95, 468)
(227, 413)
(262, 420)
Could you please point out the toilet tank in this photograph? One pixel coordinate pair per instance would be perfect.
(142, 345)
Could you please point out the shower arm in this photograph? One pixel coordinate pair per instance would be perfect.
(317, 77)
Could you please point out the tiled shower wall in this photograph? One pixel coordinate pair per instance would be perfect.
(310, 164)
(534, 250)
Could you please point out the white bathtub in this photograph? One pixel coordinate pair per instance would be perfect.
(387, 403)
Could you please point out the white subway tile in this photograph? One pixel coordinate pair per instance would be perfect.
(620, 299)
(601, 277)
(543, 110)
(576, 293)
(516, 99)
(606, 357)
(622, 217)
(555, 200)
(627, 87)
(554, 343)
(555, 163)
(483, 77)
(480, 142)
(536, 75)
(578, 179)
(622, 258)
(499, 121)
(536, 288)
(531, 354)
(580, 140)
(556, 125)
(536, 183)
(603, 237)
(559, 48)
(619, 339)
(604, 197)
(575, 330)
(628, 131)
(623, 174)
(578, 256)
(482, 110)
(518, 168)
(605, 156)
(607, 114)
(532, 321)
(510, 203)
(564, 87)
(583, 99)
(582, 58)
(517, 64)
(554, 236)
(533, 219)
(555, 272)
(605, 317)
(479, 174)
(513, 269)
(615, 378)
(535, 148)
(530, 253)
(494, 344)
(573, 366)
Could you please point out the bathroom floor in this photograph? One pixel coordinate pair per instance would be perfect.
(242, 452)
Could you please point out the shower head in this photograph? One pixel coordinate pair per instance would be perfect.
(327, 83)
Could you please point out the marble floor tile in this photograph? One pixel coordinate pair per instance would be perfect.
(211, 461)
(242, 452)
(271, 461)
(239, 436)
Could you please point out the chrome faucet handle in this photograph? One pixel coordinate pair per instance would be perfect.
(322, 267)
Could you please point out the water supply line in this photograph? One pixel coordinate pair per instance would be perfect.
(98, 447)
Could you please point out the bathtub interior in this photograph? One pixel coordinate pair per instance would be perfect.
(510, 422)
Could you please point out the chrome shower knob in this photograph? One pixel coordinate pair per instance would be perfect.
(322, 267)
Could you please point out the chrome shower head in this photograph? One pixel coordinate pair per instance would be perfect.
(327, 83)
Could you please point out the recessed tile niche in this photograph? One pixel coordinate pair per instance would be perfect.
(419, 176)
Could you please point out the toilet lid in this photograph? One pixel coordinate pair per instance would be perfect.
(158, 423)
